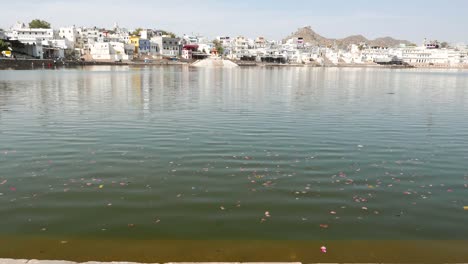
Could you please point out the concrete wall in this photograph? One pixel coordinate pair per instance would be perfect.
(34, 261)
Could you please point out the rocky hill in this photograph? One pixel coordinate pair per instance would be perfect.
(313, 38)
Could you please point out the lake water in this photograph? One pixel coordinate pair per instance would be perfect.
(279, 155)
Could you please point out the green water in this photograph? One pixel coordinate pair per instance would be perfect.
(177, 153)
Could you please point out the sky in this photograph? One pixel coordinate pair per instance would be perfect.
(411, 20)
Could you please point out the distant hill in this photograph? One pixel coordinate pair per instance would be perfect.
(313, 38)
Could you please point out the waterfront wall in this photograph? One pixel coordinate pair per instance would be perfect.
(35, 261)
(50, 64)
(37, 64)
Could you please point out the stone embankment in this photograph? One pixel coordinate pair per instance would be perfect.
(34, 261)
(34, 64)
(25, 64)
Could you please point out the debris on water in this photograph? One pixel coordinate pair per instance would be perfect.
(222, 208)
(101, 186)
(13, 189)
(364, 208)
(360, 146)
(267, 214)
(3, 182)
(109, 204)
(324, 226)
(63, 242)
(323, 249)
(157, 221)
(333, 212)
(449, 190)
(44, 229)
(131, 225)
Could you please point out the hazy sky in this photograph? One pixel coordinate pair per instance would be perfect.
(405, 19)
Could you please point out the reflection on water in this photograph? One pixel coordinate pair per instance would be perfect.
(234, 154)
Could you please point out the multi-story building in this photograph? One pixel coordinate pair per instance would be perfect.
(36, 42)
(69, 33)
(135, 41)
(144, 46)
(239, 48)
(260, 42)
(168, 46)
(24, 34)
(424, 56)
(225, 41)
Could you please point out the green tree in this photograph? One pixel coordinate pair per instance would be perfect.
(168, 33)
(137, 31)
(444, 45)
(3, 45)
(37, 23)
(218, 46)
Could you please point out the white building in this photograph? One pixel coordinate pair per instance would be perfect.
(239, 48)
(260, 43)
(190, 40)
(37, 42)
(424, 56)
(69, 33)
(224, 40)
(375, 54)
(111, 51)
(93, 35)
(24, 34)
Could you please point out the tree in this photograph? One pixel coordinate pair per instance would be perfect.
(444, 45)
(168, 33)
(37, 23)
(137, 32)
(3, 45)
(218, 46)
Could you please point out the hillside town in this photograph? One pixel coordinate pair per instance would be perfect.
(118, 44)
